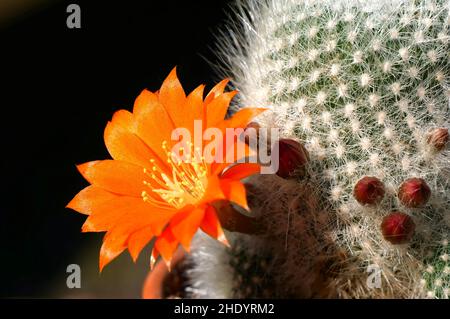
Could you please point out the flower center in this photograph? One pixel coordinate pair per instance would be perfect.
(187, 184)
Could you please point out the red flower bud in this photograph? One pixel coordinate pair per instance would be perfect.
(292, 155)
(438, 138)
(398, 228)
(369, 190)
(414, 192)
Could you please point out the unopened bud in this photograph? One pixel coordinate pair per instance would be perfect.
(292, 155)
(414, 192)
(369, 190)
(438, 138)
(398, 228)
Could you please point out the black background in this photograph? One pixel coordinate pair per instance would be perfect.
(59, 88)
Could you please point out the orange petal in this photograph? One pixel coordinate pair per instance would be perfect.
(129, 212)
(138, 240)
(185, 224)
(111, 248)
(89, 198)
(235, 192)
(153, 123)
(211, 225)
(106, 215)
(193, 110)
(125, 119)
(123, 145)
(216, 90)
(213, 191)
(173, 98)
(240, 171)
(116, 238)
(115, 176)
(242, 117)
(217, 109)
(166, 245)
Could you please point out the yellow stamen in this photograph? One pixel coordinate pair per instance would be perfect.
(187, 184)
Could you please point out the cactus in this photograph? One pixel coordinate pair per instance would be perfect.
(366, 87)
(238, 272)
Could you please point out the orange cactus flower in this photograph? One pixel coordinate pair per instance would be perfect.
(144, 192)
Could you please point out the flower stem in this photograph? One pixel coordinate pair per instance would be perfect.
(232, 220)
